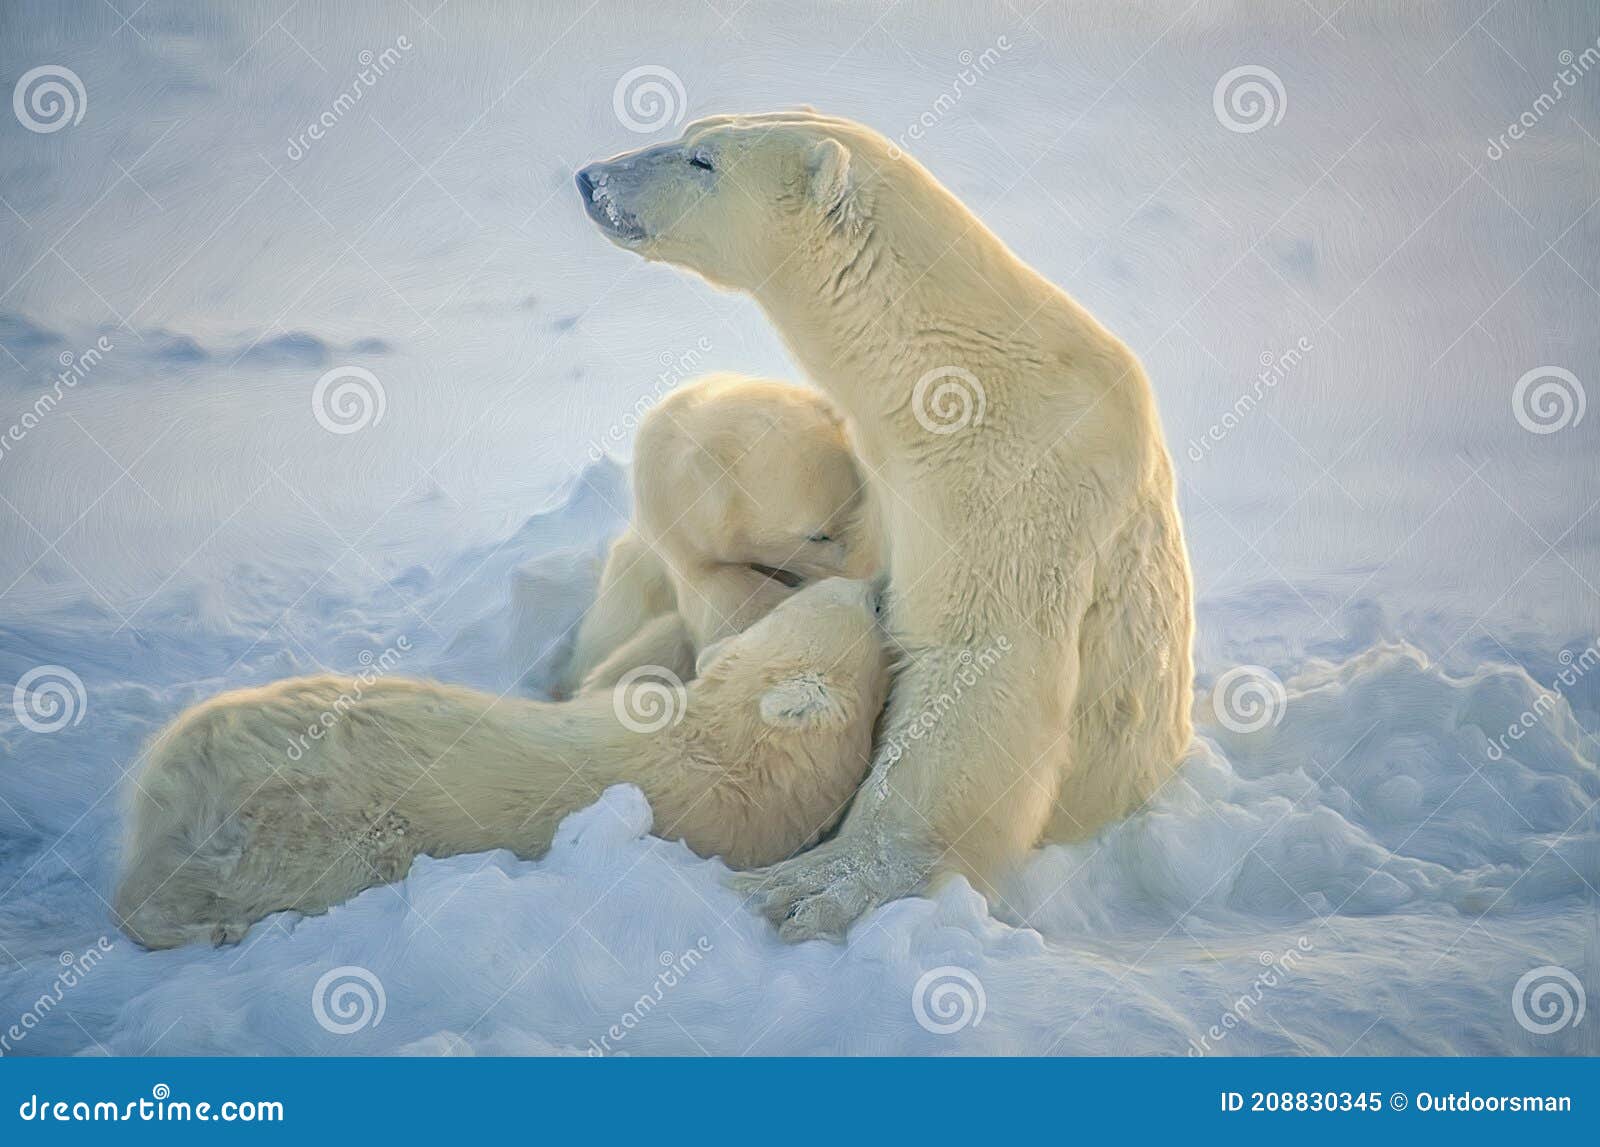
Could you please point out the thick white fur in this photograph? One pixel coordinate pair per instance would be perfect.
(733, 478)
(752, 763)
(1051, 521)
(633, 621)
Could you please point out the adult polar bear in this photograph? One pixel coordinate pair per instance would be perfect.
(1042, 513)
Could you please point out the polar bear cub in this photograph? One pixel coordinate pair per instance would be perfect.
(237, 815)
(745, 489)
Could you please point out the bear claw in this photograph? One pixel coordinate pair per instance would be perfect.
(814, 896)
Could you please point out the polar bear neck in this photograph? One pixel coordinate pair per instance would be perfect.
(909, 281)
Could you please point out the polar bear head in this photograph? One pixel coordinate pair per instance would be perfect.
(738, 473)
(736, 197)
(816, 664)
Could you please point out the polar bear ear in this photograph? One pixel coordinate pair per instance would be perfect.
(830, 173)
(801, 702)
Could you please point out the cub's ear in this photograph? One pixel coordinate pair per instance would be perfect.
(710, 653)
(802, 702)
(830, 173)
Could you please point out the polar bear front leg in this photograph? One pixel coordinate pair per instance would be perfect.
(635, 589)
(951, 789)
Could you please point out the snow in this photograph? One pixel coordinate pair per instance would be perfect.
(1408, 572)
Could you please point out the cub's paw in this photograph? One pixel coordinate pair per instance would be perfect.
(228, 932)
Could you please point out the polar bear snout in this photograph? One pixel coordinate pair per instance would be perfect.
(849, 598)
(864, 594)
(646, 194)
(601, 186)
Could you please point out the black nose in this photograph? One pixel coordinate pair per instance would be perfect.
(585, 182)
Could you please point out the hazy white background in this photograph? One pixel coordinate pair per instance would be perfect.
(1380, 531)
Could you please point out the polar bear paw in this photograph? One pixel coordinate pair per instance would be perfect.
(819, 894)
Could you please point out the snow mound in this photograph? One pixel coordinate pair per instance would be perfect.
(1370, 862)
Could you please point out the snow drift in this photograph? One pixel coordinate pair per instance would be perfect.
(1360, 866)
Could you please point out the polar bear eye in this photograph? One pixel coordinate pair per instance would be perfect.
(701, 160)
(819, 538)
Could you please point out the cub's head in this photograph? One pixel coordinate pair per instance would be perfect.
(813, 670)
(734, 472)
(737, 196)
